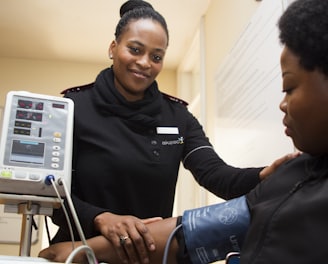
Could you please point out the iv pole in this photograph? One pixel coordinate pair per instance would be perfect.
(28, 206)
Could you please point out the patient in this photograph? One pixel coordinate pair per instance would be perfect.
(288, 210)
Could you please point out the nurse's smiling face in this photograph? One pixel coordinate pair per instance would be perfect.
(138, 57)
(305, 105)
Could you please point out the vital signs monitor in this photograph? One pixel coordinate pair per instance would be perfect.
(36, 144)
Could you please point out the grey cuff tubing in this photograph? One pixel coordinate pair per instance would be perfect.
(211, 232)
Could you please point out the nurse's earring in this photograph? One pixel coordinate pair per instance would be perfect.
(110, 56)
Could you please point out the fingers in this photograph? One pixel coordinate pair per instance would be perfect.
(285, 158)
(278, 162)
(137, 242)
(131, 248)
(122, 242)
(146, 235)
(115, 237)
(135, 248)
(151, 220)
(142, 240)
(130, 237)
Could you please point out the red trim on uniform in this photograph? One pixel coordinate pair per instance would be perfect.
(175, 99)
(77, 88)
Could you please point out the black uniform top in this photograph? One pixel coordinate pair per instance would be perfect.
(127, 155)
(289, 216)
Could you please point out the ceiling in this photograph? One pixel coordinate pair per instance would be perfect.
(81, 30)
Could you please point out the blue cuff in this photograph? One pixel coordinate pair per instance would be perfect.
(211, 232)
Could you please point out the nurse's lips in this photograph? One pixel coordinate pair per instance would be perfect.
(140, 74)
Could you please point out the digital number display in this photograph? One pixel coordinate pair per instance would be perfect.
(26, 115)
(60, 106)
(27, 104)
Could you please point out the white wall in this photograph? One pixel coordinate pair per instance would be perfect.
(217, 33)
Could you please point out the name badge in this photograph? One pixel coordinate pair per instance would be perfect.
(167, 130)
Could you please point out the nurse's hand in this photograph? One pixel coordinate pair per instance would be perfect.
(128, 235)
(270, 169)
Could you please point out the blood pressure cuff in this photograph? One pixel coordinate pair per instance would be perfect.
(211, 232)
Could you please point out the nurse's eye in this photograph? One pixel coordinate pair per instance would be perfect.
(134, 50)
(157, 58)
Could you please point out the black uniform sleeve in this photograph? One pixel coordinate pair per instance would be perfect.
(86, 214)
(215, 175)
(210, 171)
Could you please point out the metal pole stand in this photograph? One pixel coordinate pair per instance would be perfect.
(28, 206)
(27, 210)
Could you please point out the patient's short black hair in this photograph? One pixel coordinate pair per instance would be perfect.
(304, 30)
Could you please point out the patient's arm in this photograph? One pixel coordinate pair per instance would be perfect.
(104, 252)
